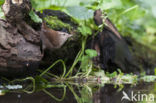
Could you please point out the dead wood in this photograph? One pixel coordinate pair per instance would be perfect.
(19, 43)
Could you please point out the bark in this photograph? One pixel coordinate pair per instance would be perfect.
(19, 43)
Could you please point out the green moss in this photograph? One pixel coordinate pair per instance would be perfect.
(57, 24)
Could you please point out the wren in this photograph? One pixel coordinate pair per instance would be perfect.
(53, 39)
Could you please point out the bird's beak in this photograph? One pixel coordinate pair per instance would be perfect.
(71, 36)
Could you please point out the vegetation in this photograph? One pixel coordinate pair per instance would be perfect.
(132, 18)
(128, 16)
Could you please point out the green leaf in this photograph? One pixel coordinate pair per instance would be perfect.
(109, 4)
(84, 63)
(1, 13)
(71, 7)
(80, 12)
(85, 30)
(47, 4)
(148, 78)
(91, 53)
(35, 17)
(1, 2)
(114, 74)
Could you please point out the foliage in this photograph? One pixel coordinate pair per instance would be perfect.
(35, 17)
(132, 18)
(1, 13)
(91, 53)
(56, 24)
(1, 2)
(85, 30)
(136, 20)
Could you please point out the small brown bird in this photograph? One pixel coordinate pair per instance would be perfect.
(53, 39)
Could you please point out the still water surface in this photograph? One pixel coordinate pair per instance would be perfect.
(108, 93)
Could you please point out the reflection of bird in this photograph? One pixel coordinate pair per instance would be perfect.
(53, 39)
(111, 47)
(125, 96)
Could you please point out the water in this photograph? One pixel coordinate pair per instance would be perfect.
(87, 93)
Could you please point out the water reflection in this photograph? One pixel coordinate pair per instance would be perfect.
(109, 94)
(87, 94)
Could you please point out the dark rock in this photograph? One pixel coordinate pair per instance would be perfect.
(113, 52)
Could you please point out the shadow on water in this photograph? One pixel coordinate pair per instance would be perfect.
(88, 93)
